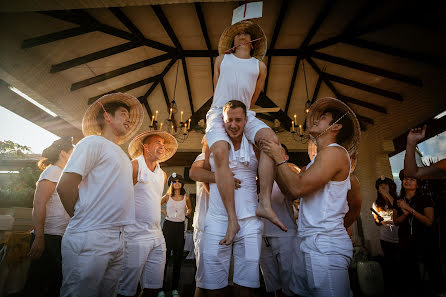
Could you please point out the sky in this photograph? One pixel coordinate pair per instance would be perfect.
(14, 127)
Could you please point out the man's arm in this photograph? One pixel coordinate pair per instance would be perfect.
(68, 190)
(329, 162)
(199, 174)
(44, 190)
(436, 170)
(260, 83)
(135, 171)
(217, 69)
(354, 201)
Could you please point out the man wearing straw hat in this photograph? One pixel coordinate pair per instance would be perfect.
(145, 248)
(326, 249)
(240, 75)
(96, 191)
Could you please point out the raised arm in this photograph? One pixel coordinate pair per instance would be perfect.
(354, 201)
(260, 83)
(44, 190)
(68, 190)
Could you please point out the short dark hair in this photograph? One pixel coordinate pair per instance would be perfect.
(232, 104)
(285, 148)
(51, 154)
(111, 109)
(346, 131)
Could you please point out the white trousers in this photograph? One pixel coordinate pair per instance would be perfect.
(92, 262)
(144, 261)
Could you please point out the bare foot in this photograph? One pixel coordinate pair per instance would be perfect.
(233, 228)
(268, 213)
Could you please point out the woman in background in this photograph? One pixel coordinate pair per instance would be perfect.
(49, 222)
(178, 206)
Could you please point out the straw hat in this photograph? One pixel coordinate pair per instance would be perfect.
(316, 109)
(90, 125)
(227, 37)
(170, 144)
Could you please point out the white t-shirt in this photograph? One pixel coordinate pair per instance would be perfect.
(57, 218)
(106, 190)
(202, 201)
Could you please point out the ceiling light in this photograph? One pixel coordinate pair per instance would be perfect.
(18, 92)
(440, 115)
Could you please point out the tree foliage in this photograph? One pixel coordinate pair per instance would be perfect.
(10, 149)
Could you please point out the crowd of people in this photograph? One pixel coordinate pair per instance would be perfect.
(97, 215)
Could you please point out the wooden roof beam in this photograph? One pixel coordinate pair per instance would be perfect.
(204, 31)
(48, 38)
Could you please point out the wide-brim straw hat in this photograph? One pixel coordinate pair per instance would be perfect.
(90, 125)
(170, 144)
(227, 37)
(315, 112)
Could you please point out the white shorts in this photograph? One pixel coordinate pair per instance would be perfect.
(144, 261)
(92, 262)
(276, 262)
(321, 275)
(198, 234)
(215, 129)
(216, 258)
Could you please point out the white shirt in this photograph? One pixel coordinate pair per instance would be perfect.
(284, 211)
(202, 202)
(57, 218)
(148, 194)
(387, 232)
(176, 210)
(106, 190)
(321, 217)
(237, 80)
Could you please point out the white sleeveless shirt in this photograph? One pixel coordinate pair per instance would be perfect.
(321, 218)
(176, 210)
(237, 80)
(148, 194)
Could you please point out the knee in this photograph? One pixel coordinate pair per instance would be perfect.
(220, 155)
(267, 134)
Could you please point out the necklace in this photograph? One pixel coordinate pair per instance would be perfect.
(410, 219)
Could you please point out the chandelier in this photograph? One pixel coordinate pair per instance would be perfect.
(179, 131)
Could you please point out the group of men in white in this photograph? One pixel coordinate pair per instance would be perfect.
(114, 242)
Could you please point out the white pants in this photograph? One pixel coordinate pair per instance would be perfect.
(198, 234)
(92, 262)
(320, 275)
(215, 128)
(144, 261)
(216, 260)
(276, 262)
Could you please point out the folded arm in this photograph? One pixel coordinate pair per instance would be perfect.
(68, 190)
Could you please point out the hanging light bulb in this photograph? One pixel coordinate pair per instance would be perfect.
(307, 106)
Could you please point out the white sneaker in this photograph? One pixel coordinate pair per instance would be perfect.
(175, 293)
(161, 294)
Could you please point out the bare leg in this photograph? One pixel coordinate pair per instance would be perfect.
(267, 172)
(226, 186)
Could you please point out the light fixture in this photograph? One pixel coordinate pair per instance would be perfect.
(31, 100)
(440, 115)
(181, 132)
(296, 128)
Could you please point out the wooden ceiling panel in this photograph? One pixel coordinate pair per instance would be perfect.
(104, 16)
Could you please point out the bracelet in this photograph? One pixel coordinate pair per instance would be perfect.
(283, 162)
(413, 211)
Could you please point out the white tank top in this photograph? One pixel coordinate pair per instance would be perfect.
(245, 197)
(176, 210)
(237, 80)
(321, 217)
(148, 194)
(284, 210)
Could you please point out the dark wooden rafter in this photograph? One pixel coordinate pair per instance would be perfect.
(168, 28)
(204, 31)
(127, 87)
(265, 101)
(35, 41)
(120, 71)
(328, 6)
(83, 19)
(146, 105)
(153, 86)
(94, 56)
(317, 88)
(280, 18)
(396, 52)
(369, 69)
(337, 94)
(166, 99)
(118, 13)
(364, 87)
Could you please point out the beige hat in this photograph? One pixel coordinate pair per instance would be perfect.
(316, 109)
(170, 144)
(90, 125)
(227, 38)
